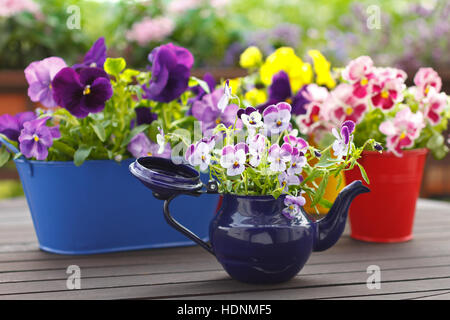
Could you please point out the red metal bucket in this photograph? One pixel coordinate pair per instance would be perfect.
(386, 214)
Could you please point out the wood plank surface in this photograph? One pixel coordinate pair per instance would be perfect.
(418, 269)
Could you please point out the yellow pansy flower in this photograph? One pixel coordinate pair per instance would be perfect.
(285, 59)
(322, 69)
(250, 58)
(255, 97)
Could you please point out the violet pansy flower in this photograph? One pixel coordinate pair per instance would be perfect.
(141, 146)
(39, 75)
(199, 155)
(293, 205)
(278, 156)
(277, 117)
(11, 126)
(208, 113)
(36, 138)
(250, 117)
(171, 68)
(233, 159)
(83, 91)
(286, 180)
(257, 145)
(297, 164)
(95, 57)
(343, 139)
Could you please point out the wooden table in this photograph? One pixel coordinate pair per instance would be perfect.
(419, 269)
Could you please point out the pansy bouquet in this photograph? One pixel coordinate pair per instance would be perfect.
(265, 156)
(376, 99)
(99, 109)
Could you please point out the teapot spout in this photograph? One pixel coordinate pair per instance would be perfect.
(330, 228)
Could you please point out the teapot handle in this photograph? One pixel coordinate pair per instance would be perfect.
(175, 224)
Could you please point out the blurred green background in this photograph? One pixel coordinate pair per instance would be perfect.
(401, 33)
(410, 33)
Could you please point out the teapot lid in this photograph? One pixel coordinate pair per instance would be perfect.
(164, 177)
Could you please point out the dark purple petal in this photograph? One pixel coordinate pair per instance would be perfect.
(144, 115)
(88, 75)
(299, 102)
(345, 134)
(170, 73)
(96, 56)
(100, 92)
(241, 146)
(350, 125)
(9, 126)
(280, 89)
(240, 112)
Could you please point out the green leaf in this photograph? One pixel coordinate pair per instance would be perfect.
(129, 74)
(99, 131)
(325, 203)
(82, 154)
(4, 156)
(63, 148)
(320, 191)
(363, 173)
(114, 66)
(133, 133)
(194, 80)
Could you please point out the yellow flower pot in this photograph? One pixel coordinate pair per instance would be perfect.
(330, 193)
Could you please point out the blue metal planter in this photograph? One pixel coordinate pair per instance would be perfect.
(99, 207)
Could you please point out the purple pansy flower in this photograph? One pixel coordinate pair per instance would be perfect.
(208, 113)
(342, 143)
(280, 91)
(233, 159)
(277, 117)
(141, 146)
(171, 68)
(286, 180)
(83, 91)
(293, 205)
(144, 115)
(36, 138)
(39, 75)
(95, 57)
(278, 156)
(11, 126)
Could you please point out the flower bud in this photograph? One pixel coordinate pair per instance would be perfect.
(378, 147)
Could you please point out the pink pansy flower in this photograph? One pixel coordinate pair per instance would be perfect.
(287, 180)
(425, 79)
(402, 130)
(278, 156)
(359, 73)
(345, 105)
(433, 105)
(387, 88)
(39, 75)
(293, 205)
(277, 117)
(233, 158)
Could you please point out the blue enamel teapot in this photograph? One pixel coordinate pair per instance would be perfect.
(249, 235)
